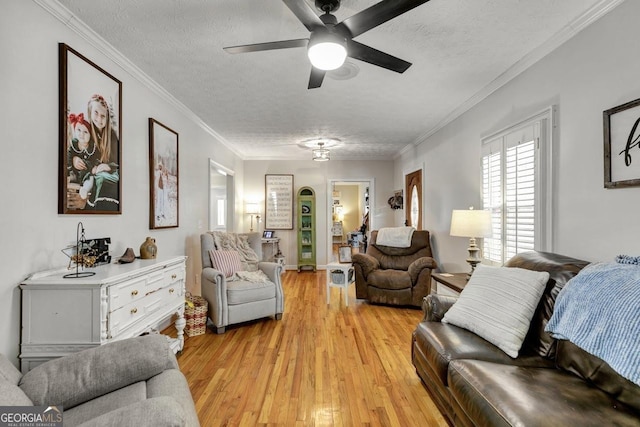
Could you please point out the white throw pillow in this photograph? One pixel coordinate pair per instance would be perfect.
(498, 303)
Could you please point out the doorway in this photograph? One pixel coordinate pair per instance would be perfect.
(413, 199)
(221, 197)
(349, 222)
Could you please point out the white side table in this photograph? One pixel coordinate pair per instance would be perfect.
(344, 267)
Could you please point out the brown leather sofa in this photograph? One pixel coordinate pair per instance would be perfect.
(397, 276)
(551, 383)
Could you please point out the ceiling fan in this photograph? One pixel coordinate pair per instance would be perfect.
(331, 42)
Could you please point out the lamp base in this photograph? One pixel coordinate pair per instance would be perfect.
(473, 258)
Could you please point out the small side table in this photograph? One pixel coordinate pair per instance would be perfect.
(275, 248)
(455, 282)
(345, 268)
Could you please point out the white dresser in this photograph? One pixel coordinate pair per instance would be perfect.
(62, 316)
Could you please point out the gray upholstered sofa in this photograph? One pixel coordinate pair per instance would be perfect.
(129, 382)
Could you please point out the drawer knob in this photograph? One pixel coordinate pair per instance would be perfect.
(173, 276)
(171, 290)
(134, 310)
(134, 292)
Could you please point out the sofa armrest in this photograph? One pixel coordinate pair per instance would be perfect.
(366, 262)
(83, 376)
(418, 265)
(435, 306)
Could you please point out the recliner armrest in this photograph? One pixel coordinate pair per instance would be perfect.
(212, 275)
(366, 262)
(271, 269)
(420, 264)
(83, 376)
(435, 306)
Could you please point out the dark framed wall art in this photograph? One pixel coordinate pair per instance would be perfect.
(278, 202)
(90, 116)
(622, 145)
(163, 176)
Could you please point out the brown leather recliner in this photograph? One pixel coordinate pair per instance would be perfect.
(398, 276)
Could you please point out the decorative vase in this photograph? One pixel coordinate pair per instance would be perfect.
(148, 249)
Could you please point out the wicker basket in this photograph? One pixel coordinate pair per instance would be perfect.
(195, 316)
(337, 276)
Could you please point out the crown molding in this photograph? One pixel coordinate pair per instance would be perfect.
(570, 30)
(72, 22)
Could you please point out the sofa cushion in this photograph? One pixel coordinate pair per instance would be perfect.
(157, 412)
(8, 372)
(561, 269)
(173, 384)
(441, 343)
(390, 279)
(393, 258)
(12, 395)
(498, 304)
(504, 395)
(244, 291)
(596, 371)
(106, 403)
(85, 375)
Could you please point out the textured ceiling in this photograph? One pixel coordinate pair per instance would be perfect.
(259, 102)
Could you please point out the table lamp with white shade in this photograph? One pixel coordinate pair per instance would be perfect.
(473, 224)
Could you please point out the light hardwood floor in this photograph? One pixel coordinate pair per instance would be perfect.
(320, 365)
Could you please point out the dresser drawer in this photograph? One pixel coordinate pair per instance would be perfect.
(133, 290)
(142, 308)
(175, 274)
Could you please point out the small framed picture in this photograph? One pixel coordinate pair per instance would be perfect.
(344, 254)
(267, 234)
(163, 176)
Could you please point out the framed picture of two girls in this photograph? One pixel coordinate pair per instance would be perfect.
(90, 150)
(90, 136)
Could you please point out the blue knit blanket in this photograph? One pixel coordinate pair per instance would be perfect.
(599, 311)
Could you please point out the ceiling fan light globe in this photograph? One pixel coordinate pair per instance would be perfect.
(327, 55)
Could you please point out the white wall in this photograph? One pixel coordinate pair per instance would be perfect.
(594, 71)
(32, 232)
(316, 175)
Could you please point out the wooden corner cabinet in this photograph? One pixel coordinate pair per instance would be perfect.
(306, 228)
(65, 315)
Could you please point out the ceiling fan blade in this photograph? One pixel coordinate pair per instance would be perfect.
(377, 14)
(304, 13)
(373, 56)
(284, 44)
(315, 80)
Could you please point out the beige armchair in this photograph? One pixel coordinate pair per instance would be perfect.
(237, 301)
(397, 276)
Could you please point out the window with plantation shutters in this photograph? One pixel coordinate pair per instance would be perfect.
(515, 188)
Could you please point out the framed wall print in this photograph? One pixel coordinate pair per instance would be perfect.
(278, 202)
(622, 145)
(163, 176)
(90, 124)
(344, 254)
